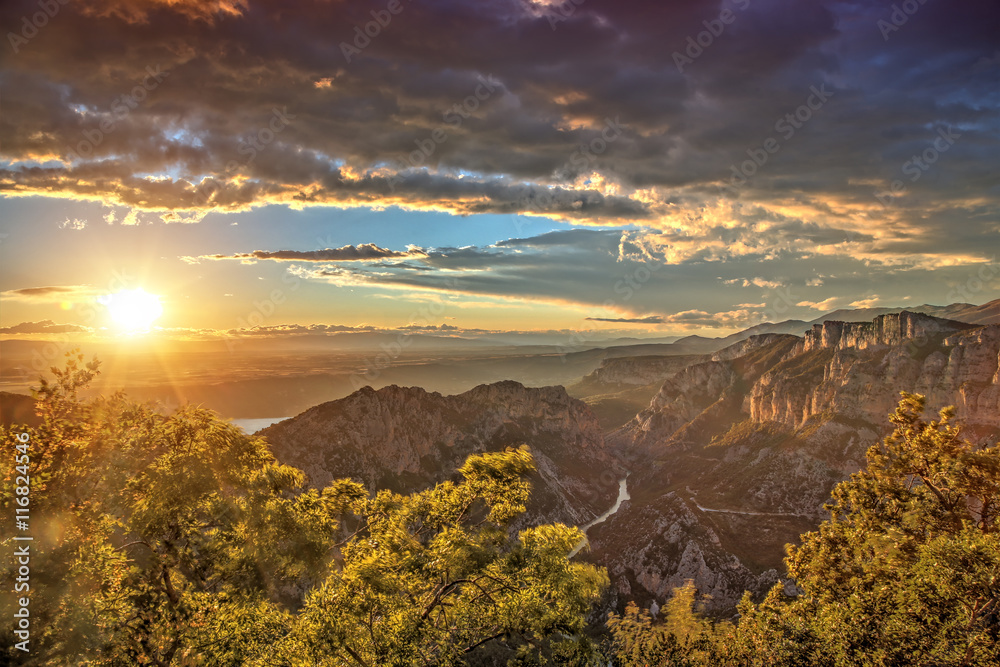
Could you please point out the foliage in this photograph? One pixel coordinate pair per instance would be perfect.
(179, 540)
(905, 572)
(907, 569)
(684, 638)
(429, 577)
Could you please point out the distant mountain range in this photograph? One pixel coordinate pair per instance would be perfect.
(988, 313)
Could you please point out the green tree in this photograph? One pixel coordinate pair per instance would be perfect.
(160, 539)
(683, 638)
(907, 569)
(429, 578)
(179, 540)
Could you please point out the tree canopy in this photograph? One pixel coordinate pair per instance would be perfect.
(905, 572)
(179, 540)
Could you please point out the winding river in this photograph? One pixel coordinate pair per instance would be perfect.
(622, 497)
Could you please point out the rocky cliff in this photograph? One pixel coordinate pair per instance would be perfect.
(736, 456)
(404, 438)
(643, 370)
(856, 370)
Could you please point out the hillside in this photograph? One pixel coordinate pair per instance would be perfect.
(406, 439)
(736, 456)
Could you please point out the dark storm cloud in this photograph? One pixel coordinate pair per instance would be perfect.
(347, 253)
(494, 107)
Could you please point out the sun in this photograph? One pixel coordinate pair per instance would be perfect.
(133, 310)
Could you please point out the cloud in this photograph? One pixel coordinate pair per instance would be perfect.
(870, 302)
(825, 304)
(653, 319)
(52, 294)
(758, 282)
(44, 327)
(348, 253)
(74, 224)
(298, 330)
(139, 11)
(360, 133)
(491, 111)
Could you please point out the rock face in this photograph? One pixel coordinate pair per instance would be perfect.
(856, 370)
(637, 371)
(407, 439)
(736, 456)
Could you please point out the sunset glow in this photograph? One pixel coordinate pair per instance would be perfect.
(133, 310)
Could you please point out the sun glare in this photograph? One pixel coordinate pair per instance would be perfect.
(133, 310)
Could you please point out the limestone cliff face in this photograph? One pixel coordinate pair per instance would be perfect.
(883, 331)
(404, 438)
(735, 456)
(680, 400)
(751, 345)
(637, 371)
(857, 370)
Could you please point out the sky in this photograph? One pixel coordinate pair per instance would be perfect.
(633, 168)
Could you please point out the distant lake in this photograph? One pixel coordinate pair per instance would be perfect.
(251, 426)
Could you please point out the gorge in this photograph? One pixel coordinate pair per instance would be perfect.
(732, 457)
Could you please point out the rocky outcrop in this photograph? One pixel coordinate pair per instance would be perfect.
(637, 371)
(404, 438)
(736, 456)
(680, 400)
(857, 371)
(654, 547)
(751, 345)
(884, 331)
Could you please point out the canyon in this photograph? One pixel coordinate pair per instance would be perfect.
(730, 454)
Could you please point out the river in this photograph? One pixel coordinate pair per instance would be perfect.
(622, 497)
